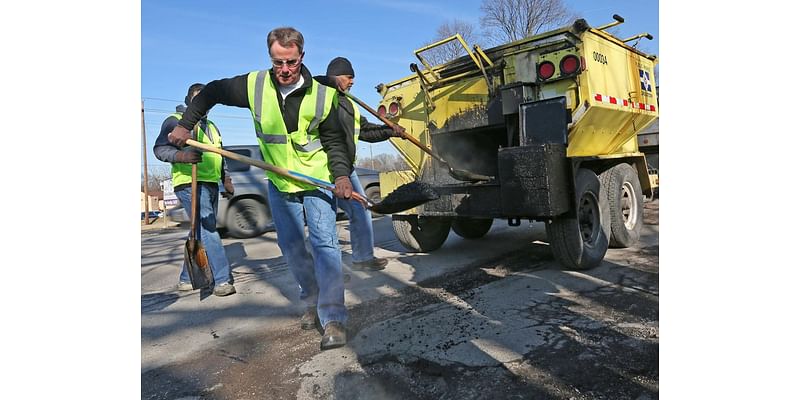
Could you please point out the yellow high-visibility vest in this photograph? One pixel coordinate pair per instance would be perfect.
(300, 151)
(209, 169)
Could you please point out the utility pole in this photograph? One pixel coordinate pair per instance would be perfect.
(371, 158)
(144, 154)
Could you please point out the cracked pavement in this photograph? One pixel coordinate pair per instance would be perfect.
(492, 318)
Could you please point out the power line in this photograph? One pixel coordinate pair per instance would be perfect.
(156, 98)
(155, 128)
(158, 110)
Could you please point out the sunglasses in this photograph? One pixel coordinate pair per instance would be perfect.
(289, 63)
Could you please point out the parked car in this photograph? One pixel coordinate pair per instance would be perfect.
(247, 214)
(152, 214)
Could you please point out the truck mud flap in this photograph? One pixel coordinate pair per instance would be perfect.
(534, 180)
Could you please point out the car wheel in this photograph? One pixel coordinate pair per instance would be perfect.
(471, 228)
(248, 218)
(421, 234)
(580, 242)
(620, 186)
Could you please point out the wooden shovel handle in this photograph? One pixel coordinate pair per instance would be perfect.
(277, 170)
(193, 217)
(392, 125)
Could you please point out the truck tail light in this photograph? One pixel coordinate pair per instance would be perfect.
(569, 64)
(394, 109)
(382, 111)
(546, 70)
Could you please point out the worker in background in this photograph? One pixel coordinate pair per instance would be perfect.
(340, 75)
(297, 130)
(210, 170)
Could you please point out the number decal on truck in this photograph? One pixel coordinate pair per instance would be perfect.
(599, 57)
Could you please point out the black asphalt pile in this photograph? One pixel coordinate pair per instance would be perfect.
(405, 197)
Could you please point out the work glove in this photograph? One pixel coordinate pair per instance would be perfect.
(344, 188)
(188, 157)
(398, 131)
(228, 184)
(179, 135)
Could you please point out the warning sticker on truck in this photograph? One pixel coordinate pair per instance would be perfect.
(644, 78)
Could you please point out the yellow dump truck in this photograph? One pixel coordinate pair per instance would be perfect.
(551, 121)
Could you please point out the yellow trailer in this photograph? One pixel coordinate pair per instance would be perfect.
(552, 119)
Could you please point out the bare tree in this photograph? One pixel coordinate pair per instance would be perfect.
(384, 162)
(398, 163)
(450, 50)
(155, 175)
(509, 20)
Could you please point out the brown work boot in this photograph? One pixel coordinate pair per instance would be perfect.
(376, 264)
(334, 336)
(309, 319)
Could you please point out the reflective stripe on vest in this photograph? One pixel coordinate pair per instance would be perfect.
(299, 151)
(272, 138)
(209, 169)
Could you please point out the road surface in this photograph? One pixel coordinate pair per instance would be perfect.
(477, 319)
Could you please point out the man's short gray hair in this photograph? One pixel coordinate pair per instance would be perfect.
(286, 37)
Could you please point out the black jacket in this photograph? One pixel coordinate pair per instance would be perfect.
(370, 132)
(233, 92)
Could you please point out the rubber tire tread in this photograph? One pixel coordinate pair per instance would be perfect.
(564, 235)
(262, 220)
(417, 239)
(472, 228)
(611, 182)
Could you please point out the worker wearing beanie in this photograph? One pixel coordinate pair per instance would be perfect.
(340, 75)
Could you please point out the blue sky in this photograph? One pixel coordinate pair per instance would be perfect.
(185, 42)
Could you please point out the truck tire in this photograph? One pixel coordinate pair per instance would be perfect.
(581, 243)
(472, 228)
(374, 195)
(248, 218)
(621, 188)
(420, 234)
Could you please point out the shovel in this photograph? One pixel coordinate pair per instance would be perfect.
(403, 198)
(458, 174)
(193, 253)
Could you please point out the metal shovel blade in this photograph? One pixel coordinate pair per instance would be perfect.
(405, 197)
(194, 254)
(197, 264)
(463, 175)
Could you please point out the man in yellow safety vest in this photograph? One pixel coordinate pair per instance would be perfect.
(296, 130)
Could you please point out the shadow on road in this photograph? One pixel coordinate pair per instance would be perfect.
(594, 340)
(558, 334)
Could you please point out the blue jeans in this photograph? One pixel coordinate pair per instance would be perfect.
(207, 207)
(319, 273)
(361, 236)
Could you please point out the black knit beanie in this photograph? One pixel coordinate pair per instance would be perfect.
(340, 66)
(192, 89)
